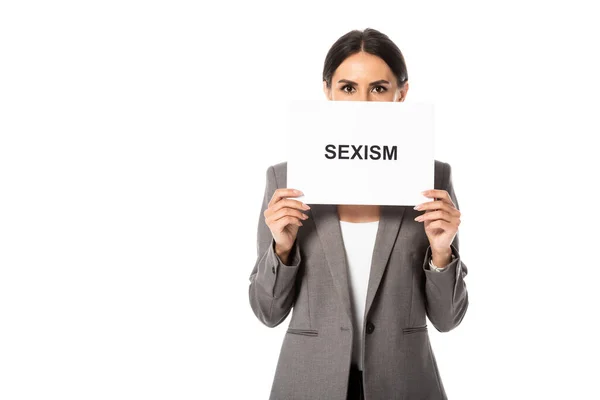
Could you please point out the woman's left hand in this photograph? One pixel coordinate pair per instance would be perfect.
(441, 218)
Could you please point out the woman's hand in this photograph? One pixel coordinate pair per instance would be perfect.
(441, 219)
(283, 217)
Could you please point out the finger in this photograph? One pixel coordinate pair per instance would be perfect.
(439, 205)
(284, 192)
(281, 223)
(286, 211)
(440, 224)
(291, 203)
(439, 194)
(437, 215)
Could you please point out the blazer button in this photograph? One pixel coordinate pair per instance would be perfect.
(370, 327)
(273, 269)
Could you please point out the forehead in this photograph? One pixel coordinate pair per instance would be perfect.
(363, 67)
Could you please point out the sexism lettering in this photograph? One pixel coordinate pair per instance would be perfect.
(368, 152)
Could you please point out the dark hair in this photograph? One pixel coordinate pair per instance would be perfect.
(370, 41)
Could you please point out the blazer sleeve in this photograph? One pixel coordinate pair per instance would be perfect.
(446, 293)
(272, 283)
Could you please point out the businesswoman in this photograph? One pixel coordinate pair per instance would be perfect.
(361, 279)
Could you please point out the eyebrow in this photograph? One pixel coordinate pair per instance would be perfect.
(371, 84)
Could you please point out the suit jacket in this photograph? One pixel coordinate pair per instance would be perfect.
(314, 361)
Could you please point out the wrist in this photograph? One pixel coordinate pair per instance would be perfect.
(443, 252)
(282, 252)
(441, 257)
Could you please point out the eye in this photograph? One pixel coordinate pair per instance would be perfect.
(346, 86)
(384, 89)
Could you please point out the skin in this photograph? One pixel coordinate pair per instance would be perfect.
(359, 78)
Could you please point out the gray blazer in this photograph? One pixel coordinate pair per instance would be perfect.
(315, 357)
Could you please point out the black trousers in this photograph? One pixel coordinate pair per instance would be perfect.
(355, 384)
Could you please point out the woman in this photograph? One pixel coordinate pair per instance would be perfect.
(360, 279)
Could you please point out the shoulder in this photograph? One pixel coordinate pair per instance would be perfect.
(441, 166)
(441, 174)
(278, 172)
(280, 168)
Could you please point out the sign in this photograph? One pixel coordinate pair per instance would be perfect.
(360, 152)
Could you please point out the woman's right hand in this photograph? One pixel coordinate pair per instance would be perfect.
(284, 218)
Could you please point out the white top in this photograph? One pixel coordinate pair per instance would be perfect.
(359, 243)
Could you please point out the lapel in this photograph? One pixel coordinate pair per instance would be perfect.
(327, 222)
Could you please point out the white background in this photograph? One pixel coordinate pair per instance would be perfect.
(134, 140)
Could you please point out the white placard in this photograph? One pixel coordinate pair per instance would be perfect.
(360, 152)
